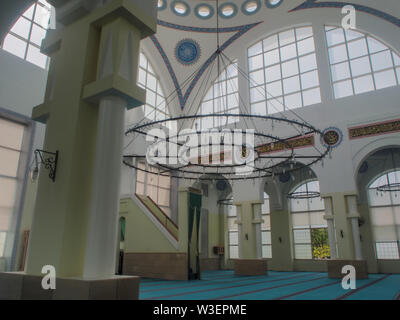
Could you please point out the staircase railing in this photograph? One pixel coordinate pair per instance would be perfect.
(160, 215)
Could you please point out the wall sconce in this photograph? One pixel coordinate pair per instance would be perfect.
(48, 160)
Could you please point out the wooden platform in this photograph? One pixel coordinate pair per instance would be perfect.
(20, 286)
(250, 267)
(335, 268)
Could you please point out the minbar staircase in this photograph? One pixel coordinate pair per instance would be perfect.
(159, 214)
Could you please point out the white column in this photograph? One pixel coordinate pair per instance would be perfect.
(103, 219)
(354, 216)
(331, 227)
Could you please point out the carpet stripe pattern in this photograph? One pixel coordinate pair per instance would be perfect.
(224, 285)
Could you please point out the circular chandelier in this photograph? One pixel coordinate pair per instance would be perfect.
(269, 155)
(301, 195)
(244, 147)
(391, 187)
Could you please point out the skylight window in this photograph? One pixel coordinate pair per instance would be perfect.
(360, 63)
(204, 11)
(251, 6)
(25, 37)
(227, 10)
(180, 8)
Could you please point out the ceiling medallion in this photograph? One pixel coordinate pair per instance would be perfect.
(187, 52)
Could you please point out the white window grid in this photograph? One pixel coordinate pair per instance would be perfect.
(372, 77)
(233, 233)
(261, 99)
(302, 234)
(266, 241)
(222, 97)
(387, 249)
(156, 107)
(155, 173)
(25, 37)
(11, 153)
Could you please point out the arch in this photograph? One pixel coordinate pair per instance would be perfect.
(25, 36)
(359, 62)
(384, 213)
(368, 149)
(375, 167)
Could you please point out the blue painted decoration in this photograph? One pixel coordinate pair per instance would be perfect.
(183, 97)
(187, 51)
(310, 4)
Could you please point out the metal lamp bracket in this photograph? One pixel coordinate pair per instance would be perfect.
(49, 160)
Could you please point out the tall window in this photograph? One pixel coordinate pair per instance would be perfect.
(25, 37)
(385, 216)
(310, 229)
(360, 63)
(233, 233)
(155, 107)
(266, 228)
(11, 136)
(222, 97)
(283, 72)
(154, 185)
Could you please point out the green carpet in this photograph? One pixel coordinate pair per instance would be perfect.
(224, 285)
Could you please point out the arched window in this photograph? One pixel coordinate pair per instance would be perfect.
(283, 72)
(310, 229)
(233, 233)
(156, 107)
(25, 37)
(360, 63)
(385, 216)
(222, 97)
(266, 228)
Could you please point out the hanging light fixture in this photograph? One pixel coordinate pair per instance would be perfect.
(275, 134)
(303, 194)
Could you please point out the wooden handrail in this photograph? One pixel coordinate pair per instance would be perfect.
(168, 219)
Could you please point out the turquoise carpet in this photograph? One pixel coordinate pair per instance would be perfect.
(224, 285)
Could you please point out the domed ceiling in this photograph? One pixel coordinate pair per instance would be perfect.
(187, 36)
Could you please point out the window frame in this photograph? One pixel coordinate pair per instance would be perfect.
(348, 62)
(28, 40)
(309, 228)
(391, 205)
(269, 100)
(146, 183)
(226, 80)
(10, 251)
